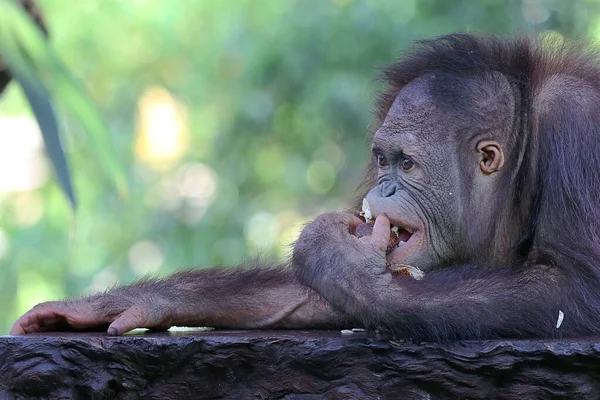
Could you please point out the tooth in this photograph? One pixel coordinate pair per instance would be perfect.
(400, 243)
(395, 229)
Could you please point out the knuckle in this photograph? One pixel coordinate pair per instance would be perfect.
(139, 313)
(40, 306)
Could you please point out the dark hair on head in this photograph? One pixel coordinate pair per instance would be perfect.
(555, 182)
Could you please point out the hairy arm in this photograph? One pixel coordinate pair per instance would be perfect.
(456, 302)
(249, 298)
(466, 302)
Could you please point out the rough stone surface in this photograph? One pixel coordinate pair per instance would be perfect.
(290, 365)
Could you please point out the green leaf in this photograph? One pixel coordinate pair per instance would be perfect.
(34, 64)
(44, 113)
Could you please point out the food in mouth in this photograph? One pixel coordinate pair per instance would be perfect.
(366, 211)
(366, 229)
(398, 238)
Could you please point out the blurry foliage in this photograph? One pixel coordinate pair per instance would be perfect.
(43, 77)
(234, 123)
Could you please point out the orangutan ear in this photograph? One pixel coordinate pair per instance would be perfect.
(491, 156)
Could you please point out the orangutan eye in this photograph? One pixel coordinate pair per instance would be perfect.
(381, 161)
(406, 163)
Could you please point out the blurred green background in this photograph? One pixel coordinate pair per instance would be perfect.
(235, 121)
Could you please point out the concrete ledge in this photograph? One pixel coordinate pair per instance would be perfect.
(292, 365)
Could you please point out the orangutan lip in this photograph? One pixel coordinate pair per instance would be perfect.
(405, 244)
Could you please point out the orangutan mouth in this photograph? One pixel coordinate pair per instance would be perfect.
(399, 236)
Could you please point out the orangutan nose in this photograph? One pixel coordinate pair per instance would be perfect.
(388, 188)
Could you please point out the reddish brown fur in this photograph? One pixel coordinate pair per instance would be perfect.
(544, 235)
(538, 253)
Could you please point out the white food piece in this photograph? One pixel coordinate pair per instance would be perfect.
(358, 329)
(400, 243)
(346, 332)
(414, 272)
(367, 211)
(561, 316)
(190, 329)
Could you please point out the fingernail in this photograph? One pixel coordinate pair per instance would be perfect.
(112, 331)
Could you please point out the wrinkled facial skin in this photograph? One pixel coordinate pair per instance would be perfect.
(411, 185)
(424, 150)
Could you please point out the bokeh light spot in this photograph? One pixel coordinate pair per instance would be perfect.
(196, 181)
(162, 128)
(269, 163)
(292, 224)
(320, 177)
(197, 185)
(103, 280)
(332, 154)
(22, 164)
(262, 231)
(145, 257)
(28, 208)
(534, 11)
